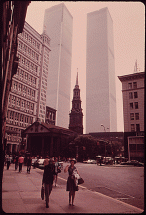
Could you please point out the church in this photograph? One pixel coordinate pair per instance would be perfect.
(76, 115)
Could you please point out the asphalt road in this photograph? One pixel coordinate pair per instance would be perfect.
(124, 183)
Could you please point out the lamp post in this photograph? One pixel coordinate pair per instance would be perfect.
(105, 141)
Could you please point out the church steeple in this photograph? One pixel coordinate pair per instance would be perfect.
(76, 115)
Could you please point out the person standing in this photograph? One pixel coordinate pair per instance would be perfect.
(29, 161)
(71, 183)
(48, 180)
(46, 161)
(57, 167)
(20, 160)
(8, 162)
(16, 162)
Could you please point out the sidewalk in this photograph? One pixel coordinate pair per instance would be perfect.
(21, 193)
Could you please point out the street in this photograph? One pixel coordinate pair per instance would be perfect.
(123, 183)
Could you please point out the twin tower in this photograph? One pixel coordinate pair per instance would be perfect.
(100, 70)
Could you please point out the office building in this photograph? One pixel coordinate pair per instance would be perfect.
(100, 73)
(27, 99)
(58, 23)
(133, 101)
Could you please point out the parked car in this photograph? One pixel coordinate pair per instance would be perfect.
(90, 161)
(33, 161)
(132, 162)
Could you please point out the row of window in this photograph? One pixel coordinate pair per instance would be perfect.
(28, 51)
(21, 102)
(20, 117)
(134, 84)
(135, 105)
(50, 115)
(25, 75)
(30, 39)
(131, 95)
(45, 39)
(27, 63)
(22, 88)
(132, 116)
(137, 127)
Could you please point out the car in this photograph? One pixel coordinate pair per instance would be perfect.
(90, 161)
(132, 163)
(33, 161)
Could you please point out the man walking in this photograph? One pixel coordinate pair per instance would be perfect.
(8, 162)
(20, 160)
(29, 161)
(48, 180)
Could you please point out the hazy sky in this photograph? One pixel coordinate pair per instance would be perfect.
(129, 40)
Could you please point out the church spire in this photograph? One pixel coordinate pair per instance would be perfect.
(77, 78)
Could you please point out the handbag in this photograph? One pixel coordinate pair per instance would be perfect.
(80, 181)
(42, 192)
(59, 170)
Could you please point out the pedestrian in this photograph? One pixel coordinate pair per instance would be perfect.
(71, 182)
(8, 162)
(46, 161)
(29, 161)
(16, 162)
(56, 170)
(48, 180)
(20, 160)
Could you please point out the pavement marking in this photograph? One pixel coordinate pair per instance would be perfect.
(108, 197)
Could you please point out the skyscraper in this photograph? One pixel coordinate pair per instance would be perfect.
(58, 23)
(100, 73)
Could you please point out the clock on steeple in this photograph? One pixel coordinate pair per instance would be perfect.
(76, 115)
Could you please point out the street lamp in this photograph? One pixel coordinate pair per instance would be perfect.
(105, 141)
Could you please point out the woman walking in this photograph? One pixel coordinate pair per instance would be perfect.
(71, 183)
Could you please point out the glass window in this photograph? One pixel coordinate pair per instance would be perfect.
(135, 95)
(132, 127)
(136, 105)
(137, 127)
(130, 95)
(131, 116)
(134, 85)
(136, 116)
(131, 105)
(129, 85)
(132, 147)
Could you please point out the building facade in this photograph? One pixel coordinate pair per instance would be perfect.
(76, 115)
(12, 22)
(27, 98)
(100, 73)
(133, 101)
(50, 116)
(58, 23)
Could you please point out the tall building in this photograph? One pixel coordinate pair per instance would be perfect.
(100, 73)
(12, 18)
(27, 98)
(76, 115)
(58, 23)
(133, 101)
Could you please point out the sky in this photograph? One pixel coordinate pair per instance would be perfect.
(129, 41)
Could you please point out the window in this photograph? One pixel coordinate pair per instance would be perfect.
(130, 95)
(131, 116)
(134, 85)
(136, 105)
(135, 95)
(129, 85)
(131, 106)
(136, 116)
(137, 127)
(132, 127)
